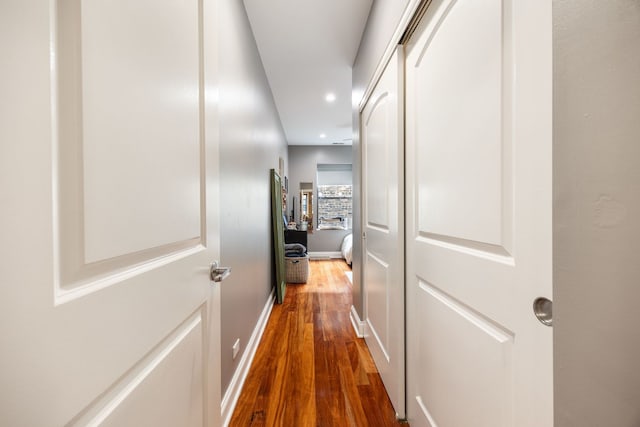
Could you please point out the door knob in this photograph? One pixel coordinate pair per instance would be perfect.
(218, 274)
(543, 309)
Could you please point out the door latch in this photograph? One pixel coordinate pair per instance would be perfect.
(218, 274)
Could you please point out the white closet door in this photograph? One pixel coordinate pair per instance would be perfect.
(109, 215)
(478, 129)
(383, 207)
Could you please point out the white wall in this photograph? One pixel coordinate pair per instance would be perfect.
(252, 140)
(381, 25)
(596, 209)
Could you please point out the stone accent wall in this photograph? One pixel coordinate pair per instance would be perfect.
(335, 201)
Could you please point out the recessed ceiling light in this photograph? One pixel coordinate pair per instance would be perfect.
(322, 135)
(330, 97)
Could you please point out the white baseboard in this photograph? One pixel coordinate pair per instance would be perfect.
(325, 255)
(230, 398)
(358, 325)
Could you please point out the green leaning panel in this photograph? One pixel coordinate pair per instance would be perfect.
(278, 235)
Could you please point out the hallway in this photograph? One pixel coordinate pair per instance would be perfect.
(310, 369)
(137, 142)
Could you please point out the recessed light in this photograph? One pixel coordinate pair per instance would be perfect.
(330, 97)
(323, 135)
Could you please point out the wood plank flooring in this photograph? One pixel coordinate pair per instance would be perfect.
(310, 369)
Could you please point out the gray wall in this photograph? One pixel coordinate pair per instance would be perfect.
(341, 177)
(596, 210)
(252, 141)
(383, 20)
(303, 160)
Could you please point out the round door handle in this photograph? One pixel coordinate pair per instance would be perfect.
(543, 309)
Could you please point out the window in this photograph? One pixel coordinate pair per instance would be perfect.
(335, 196)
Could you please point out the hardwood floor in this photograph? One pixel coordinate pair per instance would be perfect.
(310, 369)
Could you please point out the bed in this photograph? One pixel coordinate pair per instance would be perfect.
(346, 248)
(336, 223)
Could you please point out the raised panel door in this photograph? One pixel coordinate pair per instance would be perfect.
(478, 143)
(109, 220)
(383, 189)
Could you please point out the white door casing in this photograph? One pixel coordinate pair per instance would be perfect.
(478, 181)
(110, 216)
(383, 209)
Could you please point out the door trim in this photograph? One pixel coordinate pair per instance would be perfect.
(411, 13)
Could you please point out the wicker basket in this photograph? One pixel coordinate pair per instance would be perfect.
(297, 269)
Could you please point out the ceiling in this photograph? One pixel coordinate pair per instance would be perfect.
(307, 49)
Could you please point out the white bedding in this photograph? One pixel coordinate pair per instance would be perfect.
(347, 245)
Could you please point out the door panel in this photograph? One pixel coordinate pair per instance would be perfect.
(128, 148)
(479, 214)
(481, 376)
(132, 401)
(455, 153)
(382, 148)
(150, 122)
(377, 175)
(377, 303)
(112, 220)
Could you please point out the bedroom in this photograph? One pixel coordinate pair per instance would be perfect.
(328, 214)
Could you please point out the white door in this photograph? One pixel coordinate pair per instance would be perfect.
(383, 169)
(108, 223)
(478, 129)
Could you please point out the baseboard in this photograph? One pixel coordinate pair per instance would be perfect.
(230, 398)
(325, 255)
(358, 325)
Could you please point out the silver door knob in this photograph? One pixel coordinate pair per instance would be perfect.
(543, 309)
(218, 274)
